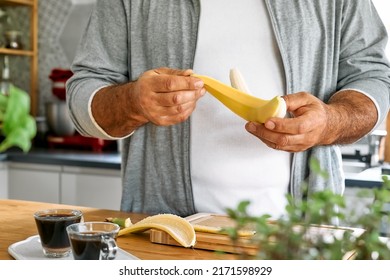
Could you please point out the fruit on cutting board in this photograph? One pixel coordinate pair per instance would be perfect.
(218, 224)
(122, 222)
(177, 227)
(221, 230)
(243, 104)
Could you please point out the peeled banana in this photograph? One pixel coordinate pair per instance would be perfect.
(243, 104)
(237, 81)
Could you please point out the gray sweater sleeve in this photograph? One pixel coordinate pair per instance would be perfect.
(363, 65)
(101, 60)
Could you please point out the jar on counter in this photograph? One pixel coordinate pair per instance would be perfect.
(5, 80)
(13, 40)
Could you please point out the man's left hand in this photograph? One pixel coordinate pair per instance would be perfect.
(347, 117)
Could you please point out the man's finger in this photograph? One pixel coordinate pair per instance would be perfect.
(171, 71)
(170, 83)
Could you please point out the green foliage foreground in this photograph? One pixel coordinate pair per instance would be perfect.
(298, 236)
(18, 127)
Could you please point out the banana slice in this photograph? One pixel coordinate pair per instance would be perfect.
(177, 227)
(244, 105)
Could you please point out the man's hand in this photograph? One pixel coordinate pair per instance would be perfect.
(348, 117)
(166, 96)
(162, 96)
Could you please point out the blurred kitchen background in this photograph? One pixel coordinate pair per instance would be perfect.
(62, 167)
(60, 25)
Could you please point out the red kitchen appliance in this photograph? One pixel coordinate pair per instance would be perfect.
(80, 142)
(59, 78)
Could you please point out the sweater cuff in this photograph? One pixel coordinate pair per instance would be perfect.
(98, 127)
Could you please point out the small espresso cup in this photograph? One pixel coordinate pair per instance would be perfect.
(93, 240)
(51, 225)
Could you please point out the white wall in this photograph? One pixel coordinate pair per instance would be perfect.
(61, 24)
(383, 8)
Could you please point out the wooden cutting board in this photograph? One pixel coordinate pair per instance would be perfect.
(207, 227)
(208, 237)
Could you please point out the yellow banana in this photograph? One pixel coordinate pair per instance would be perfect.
(237, 81)
(244, 105)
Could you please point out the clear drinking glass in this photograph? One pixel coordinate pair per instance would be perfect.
(93, 240)
(51, 225)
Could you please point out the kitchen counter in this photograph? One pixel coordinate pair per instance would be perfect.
(108, 160)
(357, 174)
(369, 178)
(23, 226)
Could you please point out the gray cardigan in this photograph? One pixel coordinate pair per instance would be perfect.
(326, 46)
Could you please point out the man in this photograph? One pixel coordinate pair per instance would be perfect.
(183, 151)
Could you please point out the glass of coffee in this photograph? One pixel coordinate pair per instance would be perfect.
(93, 240)
(51, 225)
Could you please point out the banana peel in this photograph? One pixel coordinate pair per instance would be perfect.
(220, 230)
(177, 227)
(243, 104)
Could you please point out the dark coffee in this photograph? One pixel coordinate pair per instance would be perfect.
(93, 240)
(86, 247)
(52, 229)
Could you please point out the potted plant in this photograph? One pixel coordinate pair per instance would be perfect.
(307, 231)
(18, 127)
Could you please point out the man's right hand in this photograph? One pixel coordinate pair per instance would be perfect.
(166, 96)
(162, 96)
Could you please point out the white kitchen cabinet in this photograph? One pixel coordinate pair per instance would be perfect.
(92, 187)
(35, 182)
(81, 186)
(3, 180)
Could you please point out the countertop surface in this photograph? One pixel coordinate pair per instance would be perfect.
(369, 178)
(109, 160)
(139, 245)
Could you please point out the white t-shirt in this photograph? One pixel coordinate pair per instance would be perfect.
(227, 163)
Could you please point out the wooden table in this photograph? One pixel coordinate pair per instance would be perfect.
(17, 223)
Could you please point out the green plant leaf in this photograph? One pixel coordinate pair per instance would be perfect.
(3, 104)
(18, 138)
(315, 166)
(291, 235)
(18, 126)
